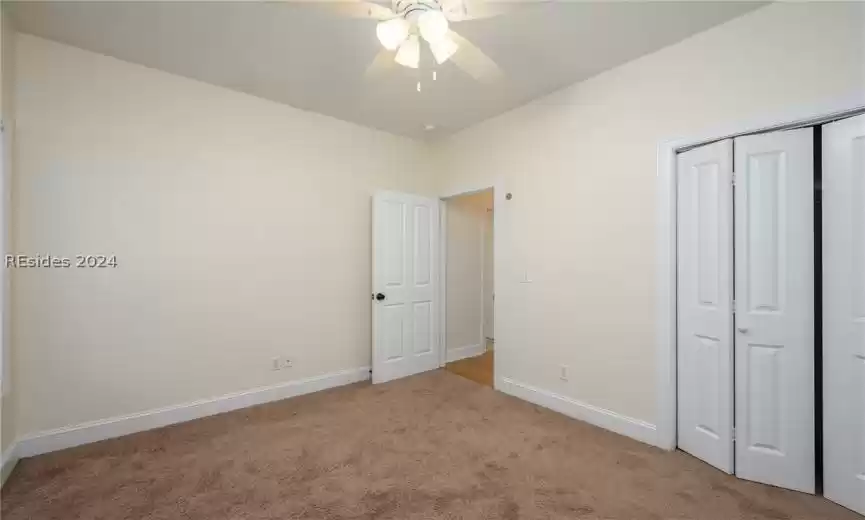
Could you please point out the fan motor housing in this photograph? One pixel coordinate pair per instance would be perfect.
(412, 9)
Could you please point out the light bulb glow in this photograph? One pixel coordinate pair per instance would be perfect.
(408, 54)
(443, 49)
(433, 26)
(392, 33)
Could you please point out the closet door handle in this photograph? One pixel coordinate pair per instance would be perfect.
(743, 330)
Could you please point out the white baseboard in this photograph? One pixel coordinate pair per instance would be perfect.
(455, 354)
(8, 461)
(61, 438)
(603, 418)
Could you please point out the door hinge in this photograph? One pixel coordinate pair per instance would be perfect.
(734, 434)
(734, 178)
(734, 307)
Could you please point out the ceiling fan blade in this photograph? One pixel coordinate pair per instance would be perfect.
(382, 63)
(355, 8)
(474, 62)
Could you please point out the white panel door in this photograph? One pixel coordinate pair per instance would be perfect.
(705, 296)
(405, 285)
(774, 249)
(844, 312)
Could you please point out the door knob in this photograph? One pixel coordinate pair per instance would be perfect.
(379, 297)
(743, 330)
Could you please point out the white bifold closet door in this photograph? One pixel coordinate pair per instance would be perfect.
(844, 312)
(705, 303)
(746, 378)
(774, 337)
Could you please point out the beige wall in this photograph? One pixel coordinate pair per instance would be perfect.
(241, 226)
(241, 229)
(466, 217)
(7, 113)
(581, 164)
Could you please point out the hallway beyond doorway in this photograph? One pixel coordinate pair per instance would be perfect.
(478, 369)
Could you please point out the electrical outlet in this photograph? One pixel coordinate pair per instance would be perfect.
(280, 363)
(563, 372)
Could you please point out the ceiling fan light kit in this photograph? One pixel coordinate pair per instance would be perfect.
(401, 28)
(413, 18)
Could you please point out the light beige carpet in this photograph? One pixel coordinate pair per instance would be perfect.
(427, 447)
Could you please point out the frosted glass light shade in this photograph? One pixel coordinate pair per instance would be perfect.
(433, 26)
(443, 49)
(392, 33)
(408, 54)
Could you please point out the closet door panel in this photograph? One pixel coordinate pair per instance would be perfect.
(705, 288)
(844, 312)
(774, 252)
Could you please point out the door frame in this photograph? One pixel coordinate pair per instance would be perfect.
(498, 197)
(666, 205)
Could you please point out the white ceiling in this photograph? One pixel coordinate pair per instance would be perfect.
(305, 56)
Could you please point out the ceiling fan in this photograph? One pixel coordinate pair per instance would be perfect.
(409, 26)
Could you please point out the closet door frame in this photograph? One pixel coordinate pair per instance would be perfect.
(667, 246)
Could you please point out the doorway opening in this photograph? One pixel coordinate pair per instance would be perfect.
(468, 271)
